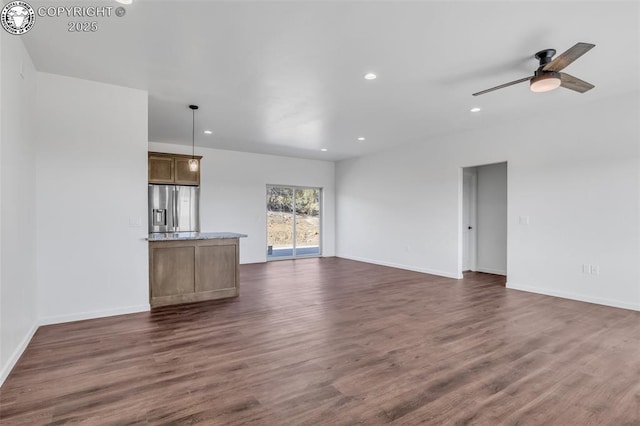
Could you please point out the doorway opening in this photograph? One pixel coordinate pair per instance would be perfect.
(293, 222)
(483, 219)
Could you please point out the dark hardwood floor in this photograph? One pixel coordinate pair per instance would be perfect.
(332, 341)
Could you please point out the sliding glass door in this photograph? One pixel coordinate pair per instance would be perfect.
(293, 222)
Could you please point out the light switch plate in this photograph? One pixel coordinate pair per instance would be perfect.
(524, 220)
(135, 222)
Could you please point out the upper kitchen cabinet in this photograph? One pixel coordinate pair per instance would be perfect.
(183, 175)
(161, 168)
(172, 169)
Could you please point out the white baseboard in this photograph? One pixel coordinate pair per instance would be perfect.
(492, 271)
(253, 261)
(94, 314)
(574, 296)
(15, 356)
(406, 267)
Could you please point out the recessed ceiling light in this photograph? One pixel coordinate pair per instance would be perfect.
(324, 150)
(361, 138)
(125, 1)
(475, 109)
(207, 132)
(370, 76)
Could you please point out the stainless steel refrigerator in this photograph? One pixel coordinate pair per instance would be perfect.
(174, 208)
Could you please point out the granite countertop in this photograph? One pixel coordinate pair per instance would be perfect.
(177, 236)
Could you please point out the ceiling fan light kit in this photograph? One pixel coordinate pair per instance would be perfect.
(545, 81)
(548, 76)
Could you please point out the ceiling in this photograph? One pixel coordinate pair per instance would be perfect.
(286, 78)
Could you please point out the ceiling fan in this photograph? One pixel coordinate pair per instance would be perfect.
(548, 76)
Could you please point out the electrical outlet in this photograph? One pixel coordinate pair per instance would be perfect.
(590, 269)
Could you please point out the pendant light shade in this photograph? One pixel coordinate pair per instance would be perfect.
(193, 162)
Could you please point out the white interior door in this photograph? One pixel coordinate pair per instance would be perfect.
(468, 219)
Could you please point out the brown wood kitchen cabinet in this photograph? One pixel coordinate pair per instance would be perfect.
(172, 169)
(184, 271)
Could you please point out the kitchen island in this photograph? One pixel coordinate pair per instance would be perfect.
(187, 267)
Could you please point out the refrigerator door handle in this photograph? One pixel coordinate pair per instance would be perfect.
(176, 222)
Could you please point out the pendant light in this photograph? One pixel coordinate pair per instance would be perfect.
(193, 163)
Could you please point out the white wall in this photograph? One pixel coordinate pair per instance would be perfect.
(18, 281)
(491, 219)
(91, 199)
(399, 209)
(579, 186)
(233, 193)
(4, 365)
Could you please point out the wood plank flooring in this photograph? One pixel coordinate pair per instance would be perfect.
(330, 342)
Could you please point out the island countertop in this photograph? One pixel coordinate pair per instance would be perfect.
(179, 236)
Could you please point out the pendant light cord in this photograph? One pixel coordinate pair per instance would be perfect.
(193, 134)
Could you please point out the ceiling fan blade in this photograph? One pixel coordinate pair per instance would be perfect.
(502, 86)
(573, 83)
(570, 55)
